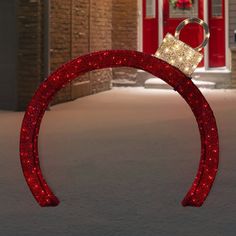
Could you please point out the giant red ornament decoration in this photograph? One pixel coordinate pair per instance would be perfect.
(119, 58)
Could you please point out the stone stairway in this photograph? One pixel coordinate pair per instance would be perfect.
(156, 83)
(210, 79)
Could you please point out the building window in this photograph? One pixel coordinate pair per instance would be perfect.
(150, 8)
(216, 8)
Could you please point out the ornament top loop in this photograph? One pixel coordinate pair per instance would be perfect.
(198, 21)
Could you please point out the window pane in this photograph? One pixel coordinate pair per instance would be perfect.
(151, 8)
(216, 8)
(183, 9)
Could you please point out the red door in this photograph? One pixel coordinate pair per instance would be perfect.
(150, 26)
(192, 34)
(217, 30)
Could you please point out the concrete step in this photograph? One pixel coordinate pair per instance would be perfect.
(124, 83)
(212, 78)
(218, 78)
(156, 83)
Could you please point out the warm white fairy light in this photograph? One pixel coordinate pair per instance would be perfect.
(187, 22)
(199, 58)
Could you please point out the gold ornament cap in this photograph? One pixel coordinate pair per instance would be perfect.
(179, 54)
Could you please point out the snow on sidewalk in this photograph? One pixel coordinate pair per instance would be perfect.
(120, 162)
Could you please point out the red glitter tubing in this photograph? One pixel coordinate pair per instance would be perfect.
(119, 58)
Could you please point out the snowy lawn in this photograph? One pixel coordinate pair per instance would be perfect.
(120, 162)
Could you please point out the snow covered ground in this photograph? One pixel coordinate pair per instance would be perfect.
(120, 162)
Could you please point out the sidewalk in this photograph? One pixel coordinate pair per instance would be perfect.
(120, 162)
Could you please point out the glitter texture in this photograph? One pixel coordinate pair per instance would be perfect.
(119, 58)
(179, 54)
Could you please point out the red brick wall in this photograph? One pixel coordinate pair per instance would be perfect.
(233, 66)
(100, 39)
(76, 27)
(125, 32)
(60, 40)
(79, 27)
(30, 52)
(80, 43)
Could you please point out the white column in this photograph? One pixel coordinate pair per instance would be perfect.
(206, 49)
(160, 21)
(140, 25)
(227, 49)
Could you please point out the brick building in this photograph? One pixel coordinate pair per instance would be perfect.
(37, 36)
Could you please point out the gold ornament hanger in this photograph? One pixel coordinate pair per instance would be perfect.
(179, 54)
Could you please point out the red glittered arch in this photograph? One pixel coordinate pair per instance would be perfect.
(119, 58)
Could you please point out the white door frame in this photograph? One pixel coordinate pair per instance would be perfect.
(160, 31)
(140, 25)
(227, 48)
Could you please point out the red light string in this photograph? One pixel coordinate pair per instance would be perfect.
(119, 58)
